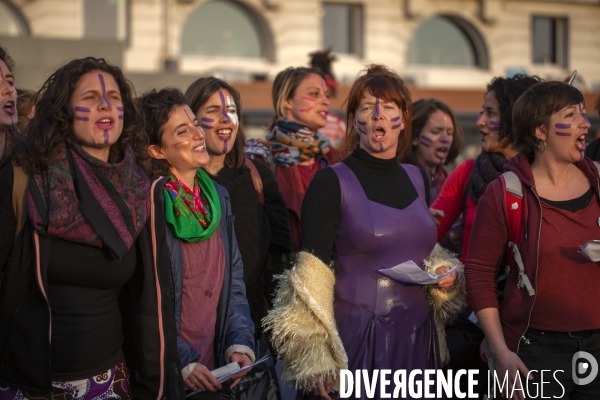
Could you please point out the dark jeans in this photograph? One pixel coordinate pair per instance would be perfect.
(553, 351)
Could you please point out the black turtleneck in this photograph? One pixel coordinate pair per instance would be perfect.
(383, 181)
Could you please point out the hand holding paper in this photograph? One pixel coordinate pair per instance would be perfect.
(409, 272)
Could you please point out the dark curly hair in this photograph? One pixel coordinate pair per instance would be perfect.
(199, 92)
(4, 56)
(385, 84)
(535, 108)
(52, 124)
(154, 109)
(507, 92)
(421, 111)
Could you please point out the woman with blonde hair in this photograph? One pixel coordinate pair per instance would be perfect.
(294, 143)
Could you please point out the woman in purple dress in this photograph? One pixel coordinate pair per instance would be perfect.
(366, 213)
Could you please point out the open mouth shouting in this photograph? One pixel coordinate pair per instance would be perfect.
(580, 142)
(9, 107)
(105, 123)
(379, 134)
(442, 152)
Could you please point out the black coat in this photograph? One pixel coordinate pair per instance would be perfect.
(149, 346)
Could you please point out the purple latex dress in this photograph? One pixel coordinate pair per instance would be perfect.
(383, 324)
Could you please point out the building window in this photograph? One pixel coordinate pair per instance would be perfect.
(101, 19)
(11, 22)
(343, 28)
(447, 41)
(222, 28)
(550, 41)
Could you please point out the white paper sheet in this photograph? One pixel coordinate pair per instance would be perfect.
(409, 272)
(229, 375)
(591, 250)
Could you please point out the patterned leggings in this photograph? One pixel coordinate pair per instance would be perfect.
(110, 384)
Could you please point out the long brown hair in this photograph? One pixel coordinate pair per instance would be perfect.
(387, 85)
(421, 111)
(199, 92)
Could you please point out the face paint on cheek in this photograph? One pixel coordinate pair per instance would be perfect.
(494, 126)
(309, 99)
(233, 116)
(358, 128)
(119, 108)
(424, 143)
(562, 126)
(206, 119)
(101, 78)
(84, 110)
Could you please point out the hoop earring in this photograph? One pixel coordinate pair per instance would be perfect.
(540, 147)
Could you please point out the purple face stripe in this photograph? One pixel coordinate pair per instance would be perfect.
(426, 139)
(562, 133)
(206, 119)
(395, 119)
(223, 107)
(377, 111)
(119, 108)
(206, 126)
(361, 131)
(82, 109)
(363, 123)
(494, 123)
(121, 116)
(562, 126)
(81, 118)
(583, 115)
(380, 147)
(106, 136)
(494, 128)
(101, 78)
(225, 147)
(424, 143)
(396, 126)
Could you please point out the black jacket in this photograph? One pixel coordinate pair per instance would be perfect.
(150, 345)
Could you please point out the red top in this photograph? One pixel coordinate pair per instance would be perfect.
(450, 202)
(293, 182)
(567, 295)
(203, 270)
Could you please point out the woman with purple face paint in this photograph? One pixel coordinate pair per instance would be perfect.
(8, 103)
(437, 139)
(365, 213)
(261, 224)
(83, 301)
(298, 149)
(542, 325)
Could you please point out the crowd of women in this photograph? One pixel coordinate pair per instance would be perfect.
(123, 274)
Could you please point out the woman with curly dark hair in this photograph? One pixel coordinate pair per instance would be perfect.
(437, 139)
(460, 195)
(81, 293)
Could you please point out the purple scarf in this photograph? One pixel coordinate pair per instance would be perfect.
(85, 200)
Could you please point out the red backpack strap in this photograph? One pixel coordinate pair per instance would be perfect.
(513, 196)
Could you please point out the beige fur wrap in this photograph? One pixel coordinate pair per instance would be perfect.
(302, 324)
